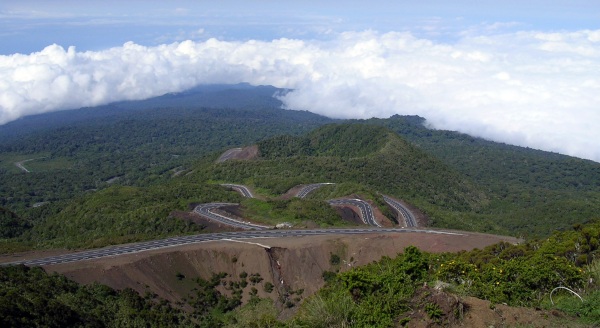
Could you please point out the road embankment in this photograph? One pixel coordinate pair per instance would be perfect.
(299, 261)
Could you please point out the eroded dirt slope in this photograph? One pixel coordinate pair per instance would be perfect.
(290, 264)
(245, 153)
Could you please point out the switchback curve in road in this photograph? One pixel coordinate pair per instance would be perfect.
(206, 210)
(408, 216)
(310, 188)
(366, 211)
(239, 188)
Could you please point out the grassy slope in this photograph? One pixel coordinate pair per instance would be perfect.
(379, 294)
(372, 158)
(122, 214)
(532, 192)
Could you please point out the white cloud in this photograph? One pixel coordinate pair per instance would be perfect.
(534, 89)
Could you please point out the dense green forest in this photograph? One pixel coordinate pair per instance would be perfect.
(115, 174)
(133, 143)
(532, 192)
(29, 297)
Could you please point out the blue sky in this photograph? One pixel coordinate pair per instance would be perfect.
(520, 72)
(28, 26)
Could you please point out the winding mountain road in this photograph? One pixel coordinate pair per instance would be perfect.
(22, 167)
(193, 239)
(239, 188)
(310, 188)
(366, 211)
(229, 154)
(253, 230)
(409, 218)
(205, 210)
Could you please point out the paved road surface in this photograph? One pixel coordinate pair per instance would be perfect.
(22, 167)
(206, 211)
(185, 240)
(254, 230)
(409, 218)
(366, 211)
(229, 154)
(310, 188)
(239, 188)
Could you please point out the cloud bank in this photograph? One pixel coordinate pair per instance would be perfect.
(535, 89)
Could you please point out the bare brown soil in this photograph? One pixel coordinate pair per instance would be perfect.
(455, 311)
(246, 153)
(349, 214)
(292, 192)
(292, 263)
(298, 263)
(420, 217)
(480, 313)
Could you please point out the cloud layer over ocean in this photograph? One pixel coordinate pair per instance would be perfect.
(528, 88)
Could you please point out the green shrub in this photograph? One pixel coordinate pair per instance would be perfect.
(268, 287)
(334, 259)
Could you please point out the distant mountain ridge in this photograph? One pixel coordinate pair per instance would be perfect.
(237, 96)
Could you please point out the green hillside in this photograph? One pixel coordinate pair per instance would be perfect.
(389, 291)
(11, 225)
(372, 159)
(116, 174)
(147, 151)
(362, 158)
(532, 192)
(122, 214)
(130, 147)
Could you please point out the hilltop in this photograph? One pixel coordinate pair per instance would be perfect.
(361, 159)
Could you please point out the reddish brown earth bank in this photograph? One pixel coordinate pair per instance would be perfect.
(290, 264)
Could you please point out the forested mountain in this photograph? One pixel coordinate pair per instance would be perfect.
(134, 143)
(117, 173)
(374, 158)
(98, 176)
(532, 192)
(238, 96)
